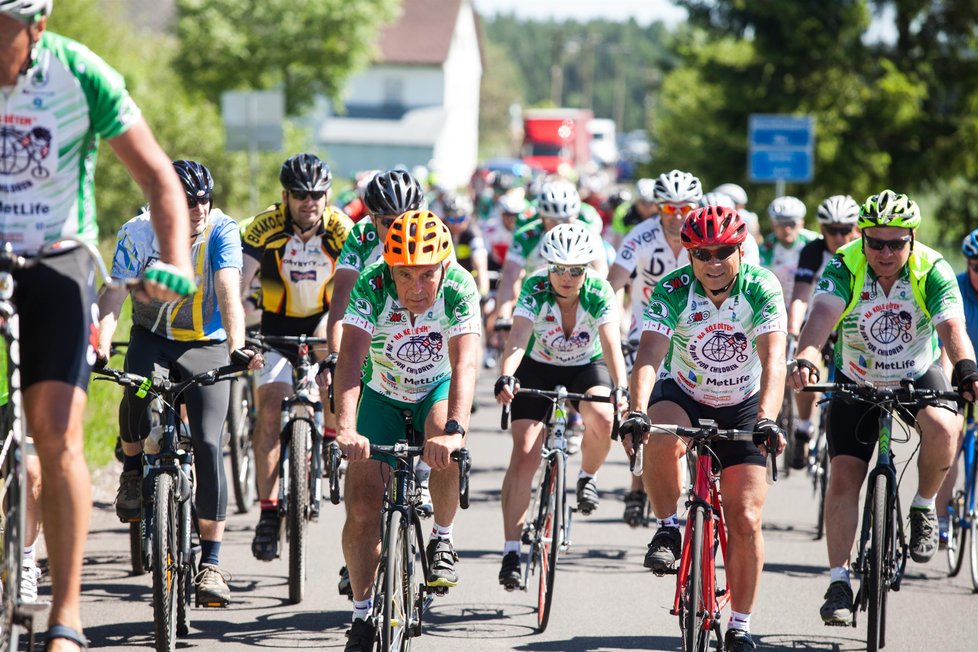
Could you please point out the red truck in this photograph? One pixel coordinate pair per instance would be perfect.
(555, 138)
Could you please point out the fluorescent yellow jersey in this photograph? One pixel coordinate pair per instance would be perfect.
(296, 276)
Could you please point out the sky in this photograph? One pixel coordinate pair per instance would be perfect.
(644, 11)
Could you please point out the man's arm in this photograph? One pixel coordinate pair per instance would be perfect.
(826, 310)
(799, 306)
(618, 277)
(770, 349)
(110, 302)
(508, 288)
(249, 269)
(480, 269)
(346, 392)
(343, 282)
(600, 264)
(652, 350)
(610, 335)
(957, 345)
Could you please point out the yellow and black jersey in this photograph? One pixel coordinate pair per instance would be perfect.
(296, 276)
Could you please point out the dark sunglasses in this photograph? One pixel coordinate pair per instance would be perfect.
(706, 255)
(386, 220)
(192, 202)
(455, 219)
(301, 195)
(973, 265)
(877, 244)
(575, 271)
(837, 230)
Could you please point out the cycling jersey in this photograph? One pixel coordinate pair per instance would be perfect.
(783, 261)
(193, 318)
(497, 238)
(626, 217)
(50, 127)
(406, 361)
(884, 339)
(712, 351)
(295, 275)
(362, 248)
(467, 243)
(525, 249)
(548, 343)
(970, 302)
(811, 261)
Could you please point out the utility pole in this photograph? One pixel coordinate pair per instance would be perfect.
(557, 71)
(619, 92)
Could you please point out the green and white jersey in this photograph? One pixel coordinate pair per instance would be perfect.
(712, 352)
(549, 343)
(525, 249)
(50, 127)
(783, 261)
(888, 338)
(362, 247)
(407, 360)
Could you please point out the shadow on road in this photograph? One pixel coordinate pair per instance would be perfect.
(596, 643)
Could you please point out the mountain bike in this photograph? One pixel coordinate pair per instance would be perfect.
(882, 556)
(169, 520)
(699, 598)
(401, 594)
(16, 616)
(240, 425)
(549, 532)
(300, 466)
(962, 517)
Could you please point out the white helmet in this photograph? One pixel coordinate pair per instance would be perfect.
(26, 8)
(838, 209)
(677, 187)
(786, 210)
(512, 202)
(735, 192)
(569, 244)
(559, 200)
(718, 199)
(645, 189)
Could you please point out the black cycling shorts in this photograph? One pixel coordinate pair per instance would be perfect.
(853, 428)
(740, 417)
(55, 300)
(540, 375)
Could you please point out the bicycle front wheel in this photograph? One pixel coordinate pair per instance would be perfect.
(692, 602)
(12, 531)
(957, 533)
(240, 424)
(165, 576)
(876, 581)
(298, 479)
(136, 556)
(400, 590)
(549, 528)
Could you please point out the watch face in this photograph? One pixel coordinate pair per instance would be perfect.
(452, 426)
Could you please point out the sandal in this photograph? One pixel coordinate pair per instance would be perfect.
(67, 633)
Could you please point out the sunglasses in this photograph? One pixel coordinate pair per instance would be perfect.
(674, 209)
(386, 220)
(973, 265)
(575, 271)
(706, 255)
(893, 245)
(192, 202)
(837, 230)
(302, 195)
(455, 219)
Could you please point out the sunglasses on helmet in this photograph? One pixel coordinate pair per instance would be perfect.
(302, 195)
(706, 255)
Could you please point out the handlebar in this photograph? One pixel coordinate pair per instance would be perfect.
(561, 394)
(905, 394)
(165, 385)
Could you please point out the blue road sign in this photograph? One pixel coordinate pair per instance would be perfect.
(781, 148)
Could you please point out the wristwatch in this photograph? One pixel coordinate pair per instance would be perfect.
(453, 427)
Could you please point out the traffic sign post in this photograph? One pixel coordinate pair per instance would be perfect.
(781, 149)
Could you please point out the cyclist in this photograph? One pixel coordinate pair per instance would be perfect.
(498, 229)
(628, 216)
(715, 330)
(780, 250)
(293, 246)
(739, 197)
(61, 99)
(890, 298)
(469, 246)
(559, 312)
(837, 216)
(414, 317)
(190, 336)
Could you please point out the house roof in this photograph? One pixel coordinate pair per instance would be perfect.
(422, 35)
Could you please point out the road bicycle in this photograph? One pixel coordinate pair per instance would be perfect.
(300, 466)
(962, 517)
(168, 523)
(786, 417)
(16, 616)
(401, 594)
(700, 598)
(882, 556)
(548, 533)
(817, 465)
(239, 428)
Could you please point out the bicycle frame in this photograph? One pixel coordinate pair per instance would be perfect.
(554, 444)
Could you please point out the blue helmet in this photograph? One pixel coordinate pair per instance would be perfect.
(970, 245)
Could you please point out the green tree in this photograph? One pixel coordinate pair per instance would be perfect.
(502, 84)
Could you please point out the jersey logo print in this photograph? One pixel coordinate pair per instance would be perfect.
(676, 282)
(722, 347)
(421, 348)
(558, 343)
(697, 317)
(20, 149)
(892, 325)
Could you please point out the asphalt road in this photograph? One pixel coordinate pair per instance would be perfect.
(604, 600)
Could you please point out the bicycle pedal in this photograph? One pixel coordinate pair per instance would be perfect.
(439, 590)
(667, 571)
(213, 604)
(840, 624)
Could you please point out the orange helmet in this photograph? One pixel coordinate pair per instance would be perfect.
(417, 238)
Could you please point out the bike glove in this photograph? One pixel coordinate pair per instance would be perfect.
(766, 434)
(504, 381)
(635, 424)
(171, 278)
(965, 372)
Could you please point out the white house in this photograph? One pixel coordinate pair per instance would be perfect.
(419, 103)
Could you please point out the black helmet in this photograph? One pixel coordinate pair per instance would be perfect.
(196, 179)
(305, 172)
(392, 193)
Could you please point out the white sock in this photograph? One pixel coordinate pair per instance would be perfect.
(839, 574)
(739, 621)
(920, 502)
(669, 521)
(582, 474)
(362, 608)
(29, 552)
(441, 532)
(511, 546)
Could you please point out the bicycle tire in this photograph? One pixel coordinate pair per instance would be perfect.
(692, 602)
(136, 557)
(822, 483)
(550, 535)
(974, 551)
(240, 425)
(165, 576)
(300, 440)
(186, 571)
(398, 590)
(957, 534)
(877, 562)
(14, 479)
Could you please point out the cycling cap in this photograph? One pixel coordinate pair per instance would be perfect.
(735, 192)
(677, 187)
(559, 200)
(970, 245)
(786, 210)
(889, 209)
(305, 172)
(569, 244)
(26, 8)
(392, 193)
(838, 209)
(196, 179)
(417, 238)
(713, 226)
(717, 199)
(645, 190)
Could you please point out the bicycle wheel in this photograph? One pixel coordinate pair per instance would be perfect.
(240, 423)
(692, 602)
(973, 518)
(399, 586)
(136, 556)
(549, 529)
(165, 576)
(877, 563)
(14, 478)
(298, 480)
(957, 533)
(821, 484)
(186, 570)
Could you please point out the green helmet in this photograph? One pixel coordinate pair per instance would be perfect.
(889, 209)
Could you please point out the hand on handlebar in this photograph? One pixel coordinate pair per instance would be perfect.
(766, 433)
(619, 398)
(965, 379)
(355, 446)
(636, 427)
(247, 355)
(438, 450)
(801, 373)
(326, 368)
(505, 389)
